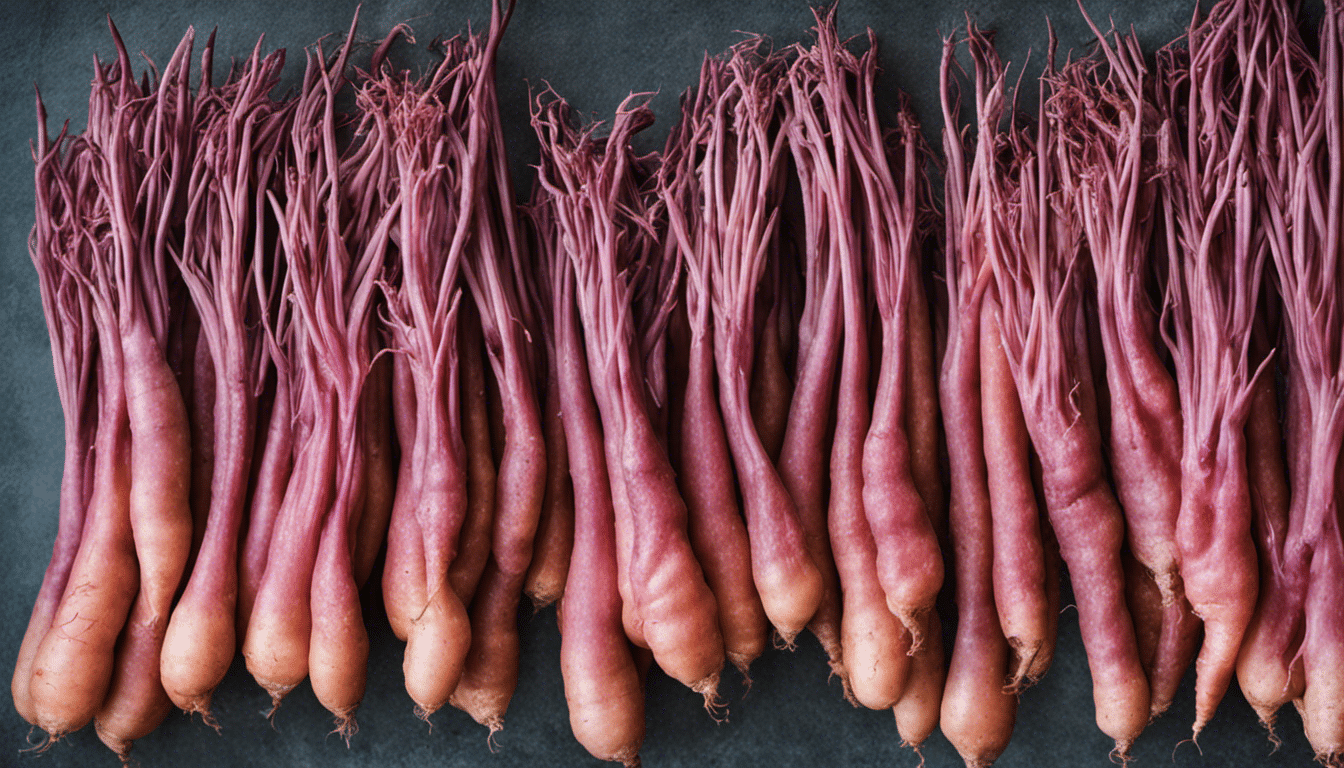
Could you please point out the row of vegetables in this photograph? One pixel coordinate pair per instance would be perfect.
(757, 383)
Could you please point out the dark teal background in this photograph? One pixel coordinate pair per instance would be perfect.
(593, 53)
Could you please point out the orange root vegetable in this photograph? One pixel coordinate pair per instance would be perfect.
(546, 576)
(917, 711)
(473, 543)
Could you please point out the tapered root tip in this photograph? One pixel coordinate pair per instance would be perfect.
(1198, 728)
(423, 713)
(278, 692)
(918, 752)
(496, 724)
(913, 621)
(44, 743)
(1025, 655)
(784, 639)
(1158, 709)
(1268, 717)
(743, 664)
(345, 724)
(628, 759)
(200, 705)
(708, 687)
(1330, 759)
(543, 598)
(1120, 753)
(119, 746)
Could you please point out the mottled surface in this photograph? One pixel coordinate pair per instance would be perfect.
(593, 53)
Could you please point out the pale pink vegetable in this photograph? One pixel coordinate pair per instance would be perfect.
(1295, 642)
(495, 255)
(603, 685)
(422, 123)
(306, 619)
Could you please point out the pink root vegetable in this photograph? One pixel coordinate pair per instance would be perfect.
(717, 530)
(603, 684)
(507, 324)
(1102, 106)
(67, 306)
(1217, 256)
(739, 190)
(588, 182)
(306, 620)
(1033, 242)
(977, 712)
(235, 158)
(804, 456)
(423, 122)
(873, 642)
(1295, 642)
